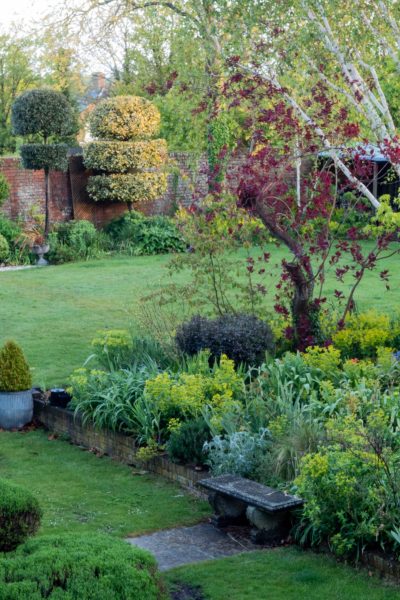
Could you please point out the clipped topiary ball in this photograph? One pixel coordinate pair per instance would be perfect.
(78, 567)
(15, 375)
(44, 156)
(44, 112)
(243, 338)
(124, 118)
(4, 248)
(20, 515)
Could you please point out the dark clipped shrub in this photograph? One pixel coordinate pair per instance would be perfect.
(40, 156)
(15, 375)
(185, 444)
(78, 567)
(42, 112)
(243, 338)
(19, 515)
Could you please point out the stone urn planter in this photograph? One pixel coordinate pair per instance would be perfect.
(16, 402)
(40, 250)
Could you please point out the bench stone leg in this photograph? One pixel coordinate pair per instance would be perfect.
(228, 511)
(267, 527)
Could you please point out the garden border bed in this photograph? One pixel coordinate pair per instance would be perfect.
(115, 445)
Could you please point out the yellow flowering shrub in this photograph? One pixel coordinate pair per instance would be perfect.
(327, 359)
(363, 334)
(348, 486)
(183, 396)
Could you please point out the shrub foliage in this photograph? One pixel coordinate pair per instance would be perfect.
(19, 515)
(40, 156)
(243, 338)
(74, 567)
(42, 112)
(127, 165)
(122, 157)
(15, 375)
(4, 189)
(185, 444)
(4, 248)
(124, 118)
(127, 187)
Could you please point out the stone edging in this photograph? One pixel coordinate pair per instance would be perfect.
(116, 445)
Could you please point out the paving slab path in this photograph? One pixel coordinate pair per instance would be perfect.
(186, 545)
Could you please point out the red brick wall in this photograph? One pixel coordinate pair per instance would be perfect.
(27, 190)
(69, 199)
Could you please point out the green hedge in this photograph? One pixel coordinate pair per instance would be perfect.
(19, 516)
(72, 567)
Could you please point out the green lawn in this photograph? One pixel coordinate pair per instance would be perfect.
(54, 312)
(82, 493)
(281, 574)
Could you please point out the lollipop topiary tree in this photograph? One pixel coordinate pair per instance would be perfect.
(127, 160)
(46, 119)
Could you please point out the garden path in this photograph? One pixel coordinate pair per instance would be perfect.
(185, 545)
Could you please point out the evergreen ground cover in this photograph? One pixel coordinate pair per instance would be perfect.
(56, 311)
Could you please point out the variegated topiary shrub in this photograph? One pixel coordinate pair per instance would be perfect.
(129, 165)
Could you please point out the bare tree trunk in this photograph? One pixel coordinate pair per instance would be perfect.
(47, 201)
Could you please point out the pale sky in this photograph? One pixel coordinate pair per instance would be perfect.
(26, 10)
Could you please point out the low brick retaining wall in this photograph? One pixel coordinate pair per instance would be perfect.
(116, 445)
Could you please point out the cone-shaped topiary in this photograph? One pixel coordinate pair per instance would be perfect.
(128, 164)
(15, 375)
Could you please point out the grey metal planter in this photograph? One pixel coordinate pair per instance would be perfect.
(16, 409)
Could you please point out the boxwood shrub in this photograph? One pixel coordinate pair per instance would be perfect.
(243, 338)
(20, 515)
(95, 567)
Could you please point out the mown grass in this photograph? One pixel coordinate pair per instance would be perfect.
(55, 312)
(83, 493)
(281, 574)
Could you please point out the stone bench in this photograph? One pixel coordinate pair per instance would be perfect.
(236, 499)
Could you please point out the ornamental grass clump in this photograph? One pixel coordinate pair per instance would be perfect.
(128, 164)
(20, 515)
(15, 375)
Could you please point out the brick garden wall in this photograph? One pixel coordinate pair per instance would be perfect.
(28, 188)
(70, 200)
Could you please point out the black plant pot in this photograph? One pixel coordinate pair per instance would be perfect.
(59, 397)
